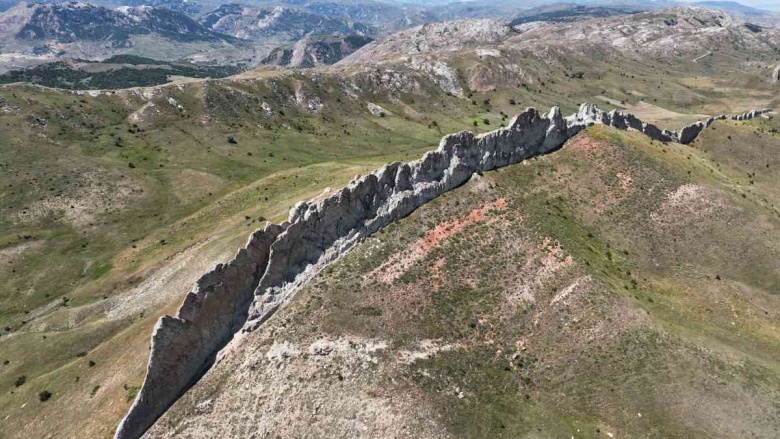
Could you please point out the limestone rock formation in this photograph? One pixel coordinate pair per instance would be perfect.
(278, 259)
(184, 346)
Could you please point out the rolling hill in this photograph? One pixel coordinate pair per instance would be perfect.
(617, 286)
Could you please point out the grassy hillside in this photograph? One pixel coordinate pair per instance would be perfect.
(114, 203)
(121, 71)
(617, 288)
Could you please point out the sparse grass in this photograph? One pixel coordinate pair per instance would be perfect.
(195, 191)
(631, 350)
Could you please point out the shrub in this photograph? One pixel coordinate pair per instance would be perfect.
(20, 381)
(132, 391)
(44, 395)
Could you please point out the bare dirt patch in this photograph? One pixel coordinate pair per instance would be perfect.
(689, 202)
(9, 254)
(144, 114)
(397, 265)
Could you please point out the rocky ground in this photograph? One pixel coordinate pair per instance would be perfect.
(592, 292)
(94, 250)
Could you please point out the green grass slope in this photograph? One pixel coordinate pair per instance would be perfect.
(616, 288)
(112, 204)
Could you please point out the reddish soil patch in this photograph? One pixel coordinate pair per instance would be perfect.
(587, 144)
(449, 228)
(398, 264)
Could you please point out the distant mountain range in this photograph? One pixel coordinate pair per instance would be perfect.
(73, 22)
(281, 23)
(121, 71)
(293, 33)
(563, 12)
(311, 52)
(732, 7)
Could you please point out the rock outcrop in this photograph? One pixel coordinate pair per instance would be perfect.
(264, 275)
(183, 347)
(690, 132)
(315, 51)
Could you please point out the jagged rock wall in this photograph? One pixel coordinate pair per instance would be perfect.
(185, 345)
(690, 132)
(276, 260)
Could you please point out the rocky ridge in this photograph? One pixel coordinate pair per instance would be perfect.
(440, 37)
(70, 22)
(314, 51)
(278, 24)
(264, 275)
(679, 31)
(665, 34)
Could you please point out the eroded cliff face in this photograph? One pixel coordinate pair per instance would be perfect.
(264, 275)
(185, 345)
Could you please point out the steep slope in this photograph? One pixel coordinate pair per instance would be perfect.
(383, 16)
(311, 52)
(280, 258)
(278, 24)
(665, 35)
(94, 250)
(607, 289)
(34, 33)
(70, 22)
(668, 33)
(432, 38)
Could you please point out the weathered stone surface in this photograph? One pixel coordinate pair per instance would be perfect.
(689, 132)
(185, 345)
(265, 274)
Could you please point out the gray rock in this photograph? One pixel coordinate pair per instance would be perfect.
(264, 275)
(185, 345)
(690, 132)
